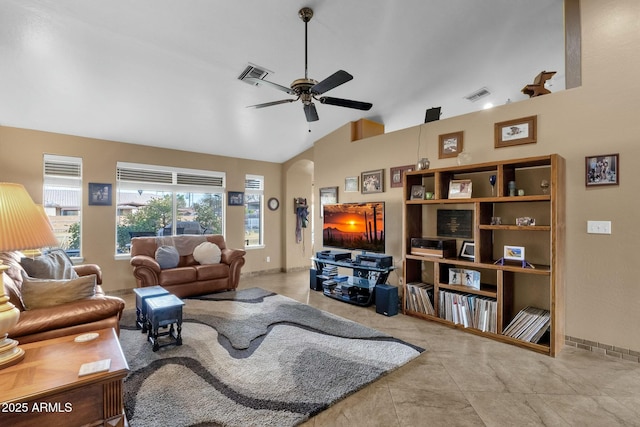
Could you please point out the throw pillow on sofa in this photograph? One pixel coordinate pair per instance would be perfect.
(207, 253)
(167, 257)
(39, 293)
(53, 265)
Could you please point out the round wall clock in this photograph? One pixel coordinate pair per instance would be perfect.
(273, 203)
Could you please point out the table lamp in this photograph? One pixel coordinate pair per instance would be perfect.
(22, 226)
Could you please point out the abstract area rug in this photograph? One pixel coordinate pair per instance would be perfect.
(252, 357)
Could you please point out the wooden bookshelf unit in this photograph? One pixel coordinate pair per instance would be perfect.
(511, 289)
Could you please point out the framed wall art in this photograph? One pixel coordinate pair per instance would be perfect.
(100, 194)
(351, 184)
(515, 132)
(235, 198)
(602, 170)
(328, 195)
(397, 174)
(450, 145)
(373, 181)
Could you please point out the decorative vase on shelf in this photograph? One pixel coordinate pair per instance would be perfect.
(423, 164)
(464, 158)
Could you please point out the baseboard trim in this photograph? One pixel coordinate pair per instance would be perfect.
(603, 349)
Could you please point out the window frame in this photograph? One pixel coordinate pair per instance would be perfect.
(254, 185)
(167, 179)
(63, 172)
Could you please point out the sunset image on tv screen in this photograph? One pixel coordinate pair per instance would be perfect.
(354, 226)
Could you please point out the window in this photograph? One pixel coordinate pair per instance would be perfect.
(62, 200)
(253, 199)
(163, 201)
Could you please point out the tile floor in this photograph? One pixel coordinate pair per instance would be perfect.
(466, 380)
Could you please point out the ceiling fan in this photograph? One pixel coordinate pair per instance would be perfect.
(307, 90)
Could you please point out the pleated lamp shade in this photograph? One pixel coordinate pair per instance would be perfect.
(22, 224)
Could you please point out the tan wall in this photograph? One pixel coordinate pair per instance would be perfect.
(600, 117)
(99, 159)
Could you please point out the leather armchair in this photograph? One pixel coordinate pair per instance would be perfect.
(86, 315)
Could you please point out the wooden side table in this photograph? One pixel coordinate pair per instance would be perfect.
(45, 389)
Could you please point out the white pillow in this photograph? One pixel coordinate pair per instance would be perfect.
(207, 253)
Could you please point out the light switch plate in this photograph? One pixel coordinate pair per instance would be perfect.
(599, 227)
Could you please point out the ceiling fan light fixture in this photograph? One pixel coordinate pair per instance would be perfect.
(307, 89)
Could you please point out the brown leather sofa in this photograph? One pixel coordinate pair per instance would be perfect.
(189, 277)
(76, 317)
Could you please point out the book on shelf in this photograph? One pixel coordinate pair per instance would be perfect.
(529, 324)
(419, 297)
(469, 310)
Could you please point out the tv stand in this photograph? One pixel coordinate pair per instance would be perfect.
(359, 288)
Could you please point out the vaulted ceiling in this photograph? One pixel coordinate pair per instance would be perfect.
(165, 73)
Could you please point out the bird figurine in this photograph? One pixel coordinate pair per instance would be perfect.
(537, 88)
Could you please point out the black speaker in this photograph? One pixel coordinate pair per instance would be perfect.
(314, 282)
(386, 300)
(432, 115)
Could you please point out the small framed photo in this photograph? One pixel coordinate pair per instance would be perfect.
(460, 189)
(602, 170)
(450, 145)
(397, 174)
(328, 196)
(514, 253)
(235, 198)
(468, 250)
(373, 181)
(417, 192)
(525, 221)
(100, 194)
(455, 276)
(515, 132)
(351, 184)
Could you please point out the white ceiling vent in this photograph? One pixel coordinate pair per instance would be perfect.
(480, 93)
(253, 71)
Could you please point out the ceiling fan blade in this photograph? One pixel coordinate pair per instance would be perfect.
(269, 104)
(334, 80)
(270, 84)
(311, 112)
(358, 105)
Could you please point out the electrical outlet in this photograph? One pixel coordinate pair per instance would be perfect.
(599, 227)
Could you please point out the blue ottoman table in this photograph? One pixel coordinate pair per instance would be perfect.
(141, 307)
(162, 311)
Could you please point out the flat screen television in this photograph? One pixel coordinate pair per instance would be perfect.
(354, 226)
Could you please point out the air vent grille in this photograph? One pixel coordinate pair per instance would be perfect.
(253, 71)
(480, 93)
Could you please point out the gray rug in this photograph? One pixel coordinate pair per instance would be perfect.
(252, 358)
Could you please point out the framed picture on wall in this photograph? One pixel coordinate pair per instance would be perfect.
(351, 184)
(515, 132)
(328, 195)
(373, 181)
(397, 174)
(602, 170)
(99, 194)
(235, 198)
(450, 145)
